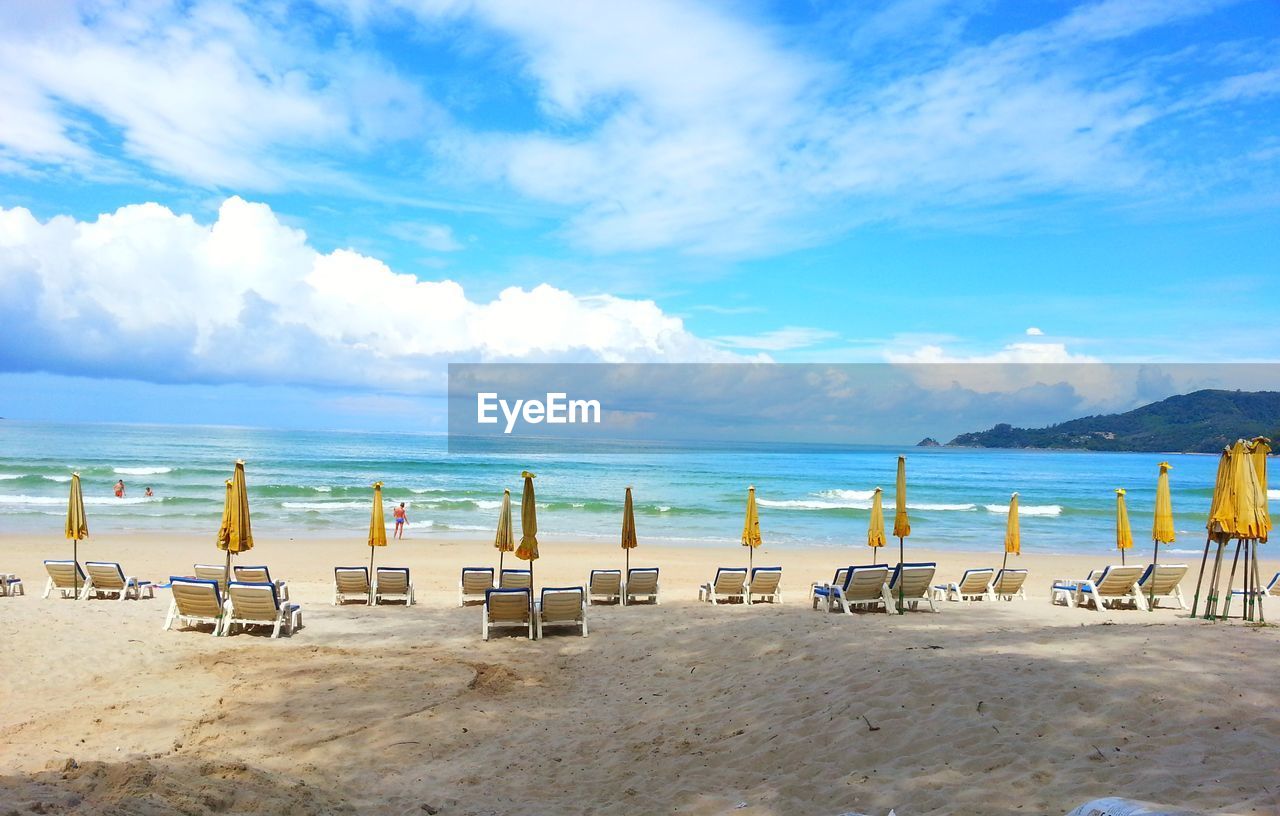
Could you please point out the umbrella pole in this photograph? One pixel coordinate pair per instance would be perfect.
(1231, 582)
(370, 562)
(1211, 602)
(902, 607)
(500, 554)
(1155, 560)
(1257, 582)
(1122, 557)
(75, 571)
(1203, 561)
(226, 571)
(625, 575)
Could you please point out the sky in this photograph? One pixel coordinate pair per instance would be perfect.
(296, 214)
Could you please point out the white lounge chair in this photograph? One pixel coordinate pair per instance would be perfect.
(863, 587)
(1161, 582)
(107, 578)
(508, 608)
(823, 596)
(562, 606)
(764, 585)
(392, 583)
(351, 583)
(195, 601)
(475, 582)
(516, 579)
(1112, 586)
(213, 572)
(11, 584)
(259, 605)
(260, 575)
(65, 576)
(912, 582)
(730, 584)
(642, 582)
(1008, 584)
(604, 586)
(974, 585)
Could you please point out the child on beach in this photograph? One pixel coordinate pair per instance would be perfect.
(400, 516)
(120, 489)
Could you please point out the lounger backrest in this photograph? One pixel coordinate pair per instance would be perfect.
(764, 580)
(1009, 581)
(212, 572)
(642, 581)
(561, 604)
(605, 582)
(729, 581)
(865, 583)
(252, 575)
(393, 580)
(507, 604)
(256, 602)
(916, 579)
(475, 580)
(351, 580)
(105, 574)
(196, 597)
(842, 575)
(65, 573)
(1117, 580)
(1166, 577)
(1273, 588)
(515, 579)
(975, 581)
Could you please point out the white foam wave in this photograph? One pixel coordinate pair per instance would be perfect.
(1027, 510)
(323, 506)
(57, 478)
(51, 501)
(141, 471)
(1273, 494)
(942, 507)
(810, 504)
(420, 525)
(421, 490)
(854, 495)
(662, 508)
(323, 489)
(4, 477)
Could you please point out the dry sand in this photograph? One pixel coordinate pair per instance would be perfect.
(681, 708)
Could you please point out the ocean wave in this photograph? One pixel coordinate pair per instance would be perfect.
(1027, 510)
(811, 504)
(663, 508)
(323, 506)
(854, 495)
(1273, 494)
(4, 477)
(420, 525)
(323, 489)
(56, 478)
(963, 508)
(142, 471)
(103, 501)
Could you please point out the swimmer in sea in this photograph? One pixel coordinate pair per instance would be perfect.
(120, 489)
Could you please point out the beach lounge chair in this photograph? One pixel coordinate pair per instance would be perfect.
(863, 586)
(824, 596)
(65, 576)
(507, 607)
(107, 578)
(764, 584)
(260, 575)
(915, 582)
(730, 583)
(351, 583)
(642, 582)
(972, 586)
(605, 586)
(1008, 584)
(1160, 582)
(11, 584)
(259, 605)
(195, 601)
(515, 579)
(392, 583)
(213, 572)
(475, 582)
(562, 606)
(1111, 586)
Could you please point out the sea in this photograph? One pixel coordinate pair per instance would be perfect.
(313, 484)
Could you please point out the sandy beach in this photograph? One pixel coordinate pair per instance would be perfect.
(983, 708)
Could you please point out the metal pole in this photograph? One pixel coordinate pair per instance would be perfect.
(1200, 579)
(1211, 602)
(902, 607)
(1231, 582)
(75, 569)
(1155, 563)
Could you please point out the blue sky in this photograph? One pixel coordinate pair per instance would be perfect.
(289, 213)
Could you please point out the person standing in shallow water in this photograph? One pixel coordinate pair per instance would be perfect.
(120, 489)
(401, 517)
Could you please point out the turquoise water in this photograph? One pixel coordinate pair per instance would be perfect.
(317, 483)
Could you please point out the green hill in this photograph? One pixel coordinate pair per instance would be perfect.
(1199, 422)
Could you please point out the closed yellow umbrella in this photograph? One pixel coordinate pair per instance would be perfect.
(875, 527)
(226, 513)
(1124, 534)
(901, 524)
(503, 539)
(751, 528)
(377, 525)
(1012, 534)
(629, 540)
(236, 537)
(1162, 531)
(77, 528)
(528, 549)
(1259, 449)
(1216, 526)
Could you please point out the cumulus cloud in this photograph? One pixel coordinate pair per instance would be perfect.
(1035, 332)
(150, 294)
(784, 339)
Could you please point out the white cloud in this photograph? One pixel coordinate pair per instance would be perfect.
(149, 294)
(433, 237)
(1035, 332)
(784, 339)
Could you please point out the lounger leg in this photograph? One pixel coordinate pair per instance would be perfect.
(173, 610)
(484, 626)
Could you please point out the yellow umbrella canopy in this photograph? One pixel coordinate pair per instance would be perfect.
(226, 514)
(503, 540)
(377, 525)
(751, 526)
(875, 527)
(1239, 502)
(1162, 531)
(1012, 529)
(901, 523)
(1124, 534)
(77, 527)
(236, 536)
(1219, 520)
(1259, 450)
(528, 549)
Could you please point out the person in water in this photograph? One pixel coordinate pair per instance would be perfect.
(148, 493)
(120, 489)
(401, 517)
